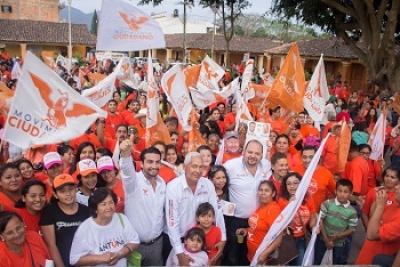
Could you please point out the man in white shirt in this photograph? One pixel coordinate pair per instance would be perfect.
(245, 174)
(184, 194)
(144, 201)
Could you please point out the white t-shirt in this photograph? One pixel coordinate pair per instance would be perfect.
(199, 258)
(94, 239)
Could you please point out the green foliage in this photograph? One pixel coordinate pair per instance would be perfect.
(93, 27)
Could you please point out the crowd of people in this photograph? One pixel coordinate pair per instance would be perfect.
(96, 199)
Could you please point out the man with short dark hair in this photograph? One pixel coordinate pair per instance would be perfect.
(113, 118)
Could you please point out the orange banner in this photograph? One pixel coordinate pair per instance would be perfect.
(343, 143)
(6, 95)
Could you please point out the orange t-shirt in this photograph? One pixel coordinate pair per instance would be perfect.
(277, 125)
(31, 221)
(329, 155)
(307, 130)
(6, 201)
(374, 172)
(36, 250)
(326, 129)
(357, 172)
(111, 122)
(277, 185)
(229, 118)
(118, 189)
(259, 224)
(370, 199)
(92, 138)
(141, 130)
(229, 156)
(166, 173)
(294, 160)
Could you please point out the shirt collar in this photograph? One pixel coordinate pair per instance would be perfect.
(344, 205)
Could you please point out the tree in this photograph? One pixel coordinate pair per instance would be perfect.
(93, 27)
(370, 28)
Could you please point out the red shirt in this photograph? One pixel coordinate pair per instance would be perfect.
(111, 122)
(357, 172)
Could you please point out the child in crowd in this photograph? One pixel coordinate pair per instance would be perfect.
(205, 216)
(339, 220)
(195, 241)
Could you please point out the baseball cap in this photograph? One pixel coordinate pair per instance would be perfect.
(50, 159)
(86, 166)
(231, 134)
(63, 179)
(105, 163)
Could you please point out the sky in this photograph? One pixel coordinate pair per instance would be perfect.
(87, 6)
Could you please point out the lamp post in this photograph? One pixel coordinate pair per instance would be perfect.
(69, 36)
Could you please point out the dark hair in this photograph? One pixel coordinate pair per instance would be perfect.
(204, 208)
(113, 101)
(204, 130)
(173, 147)
(274, 110)
(346, 183)
(211, 174)
(160, 143)
(195, 231)
(173, 133)
(97, 197)
(361, 126)
(270, 185)
(203, 147)
(130, 101)
(121, 125)
(353, 146)
(61, 150)
(5, 217)
(116, 92)
(212, 111)
(104, 152)
(362, 146)
(313, 148)
(150, 150)
(277, 156)
(171, 119)
(77, 157)
(25, 190)
(19, 162)
(214, 128)
(297, 125)
(370, 118)
(284, 190)
(5, 167)
(282, 136)
(164, 104)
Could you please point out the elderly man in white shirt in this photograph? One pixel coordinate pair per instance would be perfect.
(184, 194)
(144, 201)
(245, 174)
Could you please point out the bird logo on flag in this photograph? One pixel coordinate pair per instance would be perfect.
(133, 21)
(58, 111)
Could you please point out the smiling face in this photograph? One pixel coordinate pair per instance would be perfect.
(390, 180)
(194, 243)
(87, 153)
(265, 194)
(171, 156)
(207, 157)
(292, 183)
(219, 180)
(253, 154)
(11, 180)
(66, 194)
(194, 170)
(280, 168)
(35, 199)
(232, 145)
(151, 165)
(282, 145)
(26, 170)
(14, 232)
(89, 181)
(206, 220)
(68, 157)
(106, 208)
(213, 143)
(108, 176)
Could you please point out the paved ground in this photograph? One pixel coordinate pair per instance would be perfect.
(358, 241)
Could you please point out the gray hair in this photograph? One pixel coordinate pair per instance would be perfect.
(189, 156)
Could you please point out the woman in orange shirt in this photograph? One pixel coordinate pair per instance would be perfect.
(261, 221)
(120, 103)
(305, 215)
(10, 182)
(21, 247)
(282, 145)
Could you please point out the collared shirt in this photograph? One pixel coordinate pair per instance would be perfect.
(144, 206)
(243, 185)
(181, 205)
(344, 205)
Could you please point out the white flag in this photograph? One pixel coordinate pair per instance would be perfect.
(153, 101)
(316, 93)
(46, 110)
(308, 259)
(288, 213)
(123, 27)
(125, 74)
(173, 83)
(16, 71)
(241, 106)
(377, 137)
(246, 88)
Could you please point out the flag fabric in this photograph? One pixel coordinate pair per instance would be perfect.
(96, 77)
(377, 137)
(155, 127)
(6, 96)
(123, 27)
(316, 93)
(174, 87)
(48, 58)
(55, 112)
(64, 62)
(246, 86)
(195, 139)
(288, 87)
(343, 145)
(308, 259)
(288, 213)
(242, 110)
(16, 71)
(126, 74)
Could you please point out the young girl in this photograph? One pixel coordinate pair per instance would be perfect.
(208, 159)
(220, 179)
(205, 216)
(67, 155)
(171, 156)
(26, 169)
(87, 177)
(194, 247)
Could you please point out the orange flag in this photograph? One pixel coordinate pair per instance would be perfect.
(343, 145)
(95, 78)
(288, 87)
(195, 139)
(6, 95)
(48, 58)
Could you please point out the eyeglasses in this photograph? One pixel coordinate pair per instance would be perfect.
(365, 153)
(292, 184)
(17, 230)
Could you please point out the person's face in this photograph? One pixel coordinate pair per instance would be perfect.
(108, 176)
(343, 194)
(35, 199)
(309, 120)
(221, 109)
(207, 157)
(234, 109)
(174, 139)
(142, 100)
(54, 170)
(307, 156)
(171, 156)
(66, 194)
(185, 149)
(292, 184)
(390, 180)
(26, 170)
(194, 243)
(213, 143)
(14, 232)
(206, 220)
(171, 126)
(87, 153)
(365, 152)
(253, 154)
(117, 97)
(219, 180)
(372, 112)
(282, 145)
(151, 165)
(68, 157)
(252, 127)
(112, 107)
(272, 137)
(121, 134)
(265, 194)
(215, 115)
(339, 102)
(11, 180)
(135, 106)
(276, 114)
(194, 169)
(280, 168)
(232, 145)
(106, 208)
(89, 181)
(162, 151)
